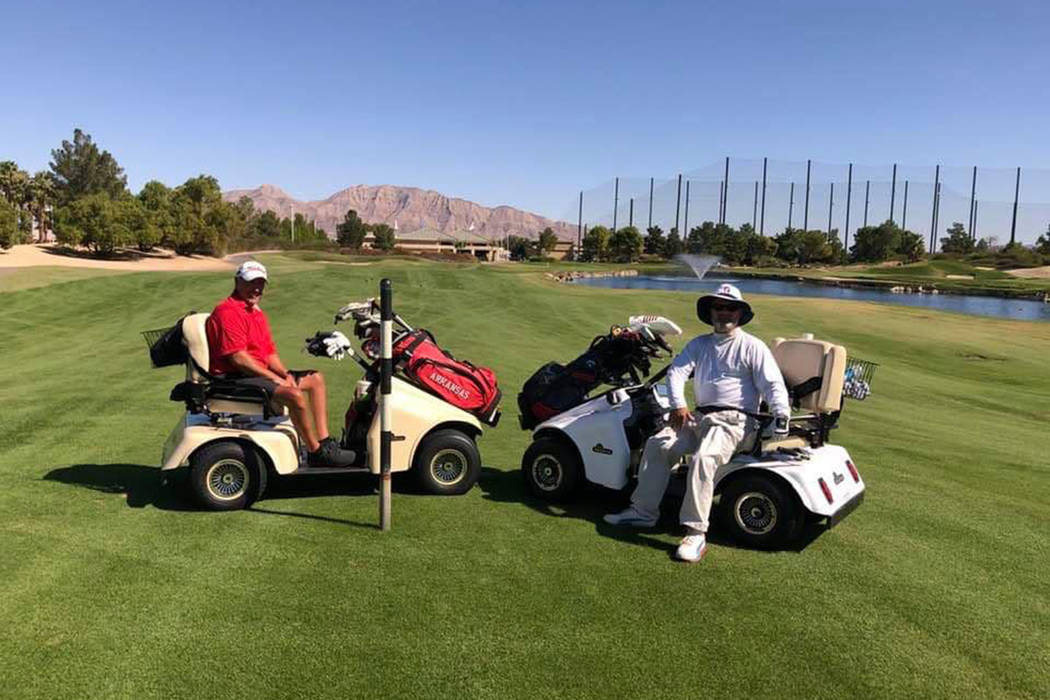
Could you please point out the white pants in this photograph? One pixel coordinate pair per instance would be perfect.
(711, 441)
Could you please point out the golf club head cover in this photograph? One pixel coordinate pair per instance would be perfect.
(331, 344)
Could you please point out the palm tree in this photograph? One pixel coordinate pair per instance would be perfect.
(41, 199)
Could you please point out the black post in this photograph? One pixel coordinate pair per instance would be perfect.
(867, 199)
(1017, 192)
(904, 211)
(754, 209)
(762, 221)
(386, 369)
(973, 204)
(791, 204)
(831, 205)
(849, 196)
(723, 190)
(893, 190)
(805, 216)
(616, 202)
(725, 198)
(933, 217)
(678, 205)
(651, 202)
(686, 232)
(579, 225)
(630, 217)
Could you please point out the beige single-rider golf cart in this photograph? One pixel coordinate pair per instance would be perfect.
(231, 438)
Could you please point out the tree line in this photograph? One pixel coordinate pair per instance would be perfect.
(84, 199)
(744, 246)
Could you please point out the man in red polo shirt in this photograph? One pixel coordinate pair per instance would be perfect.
(241, 350)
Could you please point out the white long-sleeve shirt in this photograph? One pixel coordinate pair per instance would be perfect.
(734, 369)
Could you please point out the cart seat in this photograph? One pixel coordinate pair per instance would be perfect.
(204, 393)
(814, 371)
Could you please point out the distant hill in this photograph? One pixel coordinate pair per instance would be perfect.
(410, 208)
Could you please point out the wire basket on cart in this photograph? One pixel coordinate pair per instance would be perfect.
(165, 346)
(858, 376)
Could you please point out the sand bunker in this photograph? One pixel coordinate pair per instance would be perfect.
(163, 260)
(1031, 272)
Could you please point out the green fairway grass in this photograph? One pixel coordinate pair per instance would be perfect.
(112, 585)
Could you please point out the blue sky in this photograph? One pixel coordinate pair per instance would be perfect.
(521, 103)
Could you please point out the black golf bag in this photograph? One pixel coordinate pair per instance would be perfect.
(618, 358)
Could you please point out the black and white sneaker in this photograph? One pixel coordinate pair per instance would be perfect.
(330, 455)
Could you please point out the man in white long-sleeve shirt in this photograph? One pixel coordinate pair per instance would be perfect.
(732, 371)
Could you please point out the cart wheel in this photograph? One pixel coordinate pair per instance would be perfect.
(227, 476)
(760, 512)
(447, 463)
(551, 469)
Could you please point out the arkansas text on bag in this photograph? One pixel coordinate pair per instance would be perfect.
(458, 382)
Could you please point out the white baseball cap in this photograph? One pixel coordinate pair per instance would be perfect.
(726, 292)
(251, 270)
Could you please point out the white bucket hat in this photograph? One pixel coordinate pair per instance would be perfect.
(251, 270)
(725, 292)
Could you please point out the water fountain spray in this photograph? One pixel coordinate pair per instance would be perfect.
(699, 264)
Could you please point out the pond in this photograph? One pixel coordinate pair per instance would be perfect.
(997, 307)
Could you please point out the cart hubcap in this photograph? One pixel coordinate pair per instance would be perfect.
(546, 472)
(227, 479)
(448, 466)
(755, 513)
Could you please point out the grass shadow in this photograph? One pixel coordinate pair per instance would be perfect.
(141, 485)
(592, 502)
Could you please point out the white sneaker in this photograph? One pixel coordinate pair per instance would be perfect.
(630, 518)
(693, 548)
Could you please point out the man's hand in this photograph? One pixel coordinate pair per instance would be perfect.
(777, 428)
(679, 417)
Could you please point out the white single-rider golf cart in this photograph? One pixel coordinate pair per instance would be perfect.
(231, 438)
(767, 490)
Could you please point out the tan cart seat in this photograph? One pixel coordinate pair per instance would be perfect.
(217, 399)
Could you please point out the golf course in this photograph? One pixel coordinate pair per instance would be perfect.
(114, 585)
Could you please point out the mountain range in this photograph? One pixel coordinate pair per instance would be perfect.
(407, 209)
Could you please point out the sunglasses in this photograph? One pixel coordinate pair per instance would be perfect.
(724, 307)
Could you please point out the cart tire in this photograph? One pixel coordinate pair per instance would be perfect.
(760, 512)
(447, 463)
(227, 476)
(552, 469)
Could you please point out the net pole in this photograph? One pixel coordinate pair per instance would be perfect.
(893, 191)
(678, 206)
(849, 197)
(725, 198)
(762, 221)
(933, 216)
(904, 211)
(973, 204)
(686, 225)
(805, 211)
(1017, 192)
(867, 200)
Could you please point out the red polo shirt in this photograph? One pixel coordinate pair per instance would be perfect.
(235, 326)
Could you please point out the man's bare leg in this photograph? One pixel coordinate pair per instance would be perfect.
(296, 403)
(314, 387)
